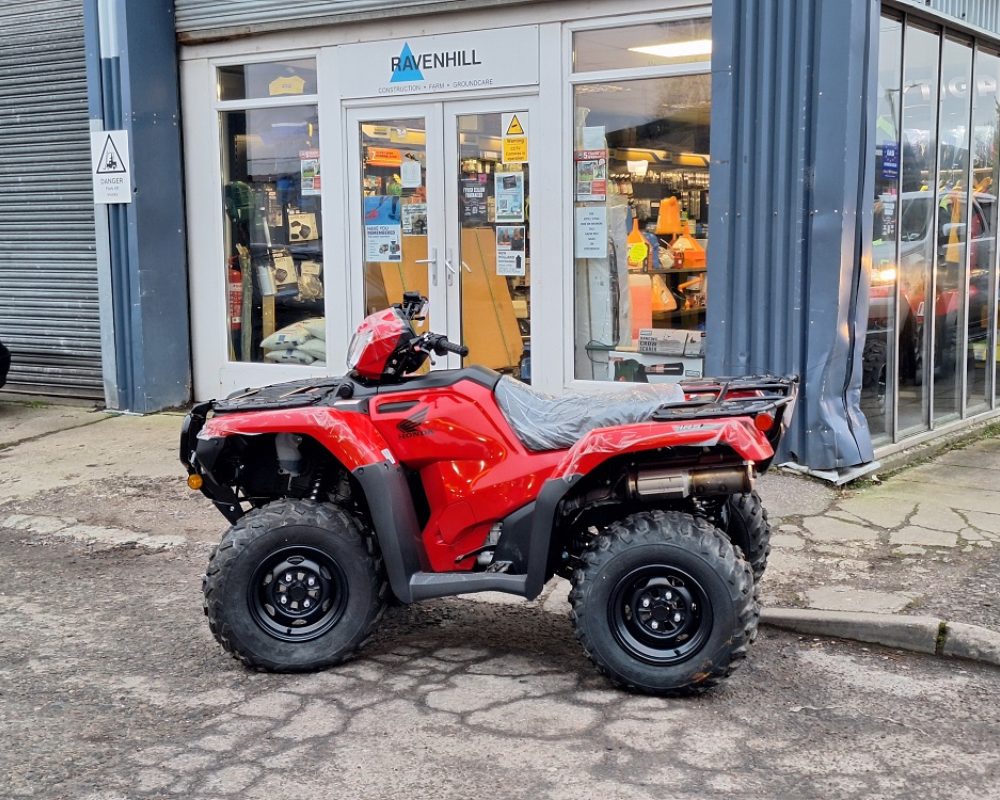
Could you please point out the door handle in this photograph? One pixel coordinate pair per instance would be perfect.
(452, 271)
(433, 261)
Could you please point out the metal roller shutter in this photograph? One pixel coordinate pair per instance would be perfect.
(49, 315)
(200, 20)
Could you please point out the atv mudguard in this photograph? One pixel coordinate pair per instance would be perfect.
(348, 436)
(599, 445)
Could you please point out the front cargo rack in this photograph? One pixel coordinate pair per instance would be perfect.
(711, 398)
(293, 394)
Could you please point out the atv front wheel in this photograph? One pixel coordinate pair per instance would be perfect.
(663, 604)
(293, 586)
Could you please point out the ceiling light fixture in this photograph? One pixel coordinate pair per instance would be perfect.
(694, 47)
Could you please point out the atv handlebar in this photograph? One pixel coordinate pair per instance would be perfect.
(444, 346)
(440, 345)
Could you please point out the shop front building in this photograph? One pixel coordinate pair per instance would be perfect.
(593, 196)
(544, 181)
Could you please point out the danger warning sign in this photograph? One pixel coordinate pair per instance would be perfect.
(111, 174)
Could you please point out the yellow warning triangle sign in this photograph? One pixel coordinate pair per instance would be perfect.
(514, 129)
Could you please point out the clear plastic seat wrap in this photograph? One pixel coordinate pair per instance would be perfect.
(546, 422)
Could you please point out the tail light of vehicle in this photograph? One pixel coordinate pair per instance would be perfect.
(764, 421)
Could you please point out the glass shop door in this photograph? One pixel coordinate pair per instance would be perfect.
(487, 146)
(397, 209)
(441, 206)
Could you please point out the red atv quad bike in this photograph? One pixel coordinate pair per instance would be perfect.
(342, 490)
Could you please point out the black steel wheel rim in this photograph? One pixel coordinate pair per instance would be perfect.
(297, 593)
(660, 614)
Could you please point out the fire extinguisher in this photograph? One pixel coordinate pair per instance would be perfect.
(235, 296)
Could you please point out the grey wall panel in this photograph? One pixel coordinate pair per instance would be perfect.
(199, 20)
(49, 315)
(791, 209)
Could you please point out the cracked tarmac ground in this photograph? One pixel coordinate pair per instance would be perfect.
(111, 688)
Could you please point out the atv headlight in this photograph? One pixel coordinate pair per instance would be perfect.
(358, 344)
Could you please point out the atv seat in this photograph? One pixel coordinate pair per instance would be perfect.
(544, 422)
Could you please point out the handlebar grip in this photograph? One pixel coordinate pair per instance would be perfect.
(443, 346)
(451, 347)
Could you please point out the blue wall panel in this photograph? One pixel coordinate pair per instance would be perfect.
(791, 209)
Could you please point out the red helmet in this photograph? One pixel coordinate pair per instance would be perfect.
(376, 341)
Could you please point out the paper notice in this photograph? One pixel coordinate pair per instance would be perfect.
(593, 138)
(592, 232)
(410, 174)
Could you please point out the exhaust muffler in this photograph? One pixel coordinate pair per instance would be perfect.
(666, 483)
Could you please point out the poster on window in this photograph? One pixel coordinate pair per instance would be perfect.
(383, 228)
(309, 171)
(591, 175)
(474, 200)
(415, 219)
(383, 243)
(510, 250)
(509, 194)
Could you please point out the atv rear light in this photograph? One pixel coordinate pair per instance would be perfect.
(763, 422)
(195, 481)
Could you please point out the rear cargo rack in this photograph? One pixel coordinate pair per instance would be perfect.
(730, 397)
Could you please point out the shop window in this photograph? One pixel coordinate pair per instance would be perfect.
(952, 219)
(641, 170)
(639, 46)
(930, 345)
(918, 216)
(273, 235)
(267, 79)
(983, 258)
(878, 360)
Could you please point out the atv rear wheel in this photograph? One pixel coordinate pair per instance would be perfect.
(663, 604)
(293, 586)
(744, 521)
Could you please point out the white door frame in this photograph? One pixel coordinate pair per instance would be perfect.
(443, 214)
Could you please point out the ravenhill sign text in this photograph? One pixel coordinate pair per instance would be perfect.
(456, 58)
(441, 63)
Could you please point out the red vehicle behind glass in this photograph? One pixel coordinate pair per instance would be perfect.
(342, 490)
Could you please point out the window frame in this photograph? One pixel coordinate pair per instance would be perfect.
(571, 80)
(273, 371)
